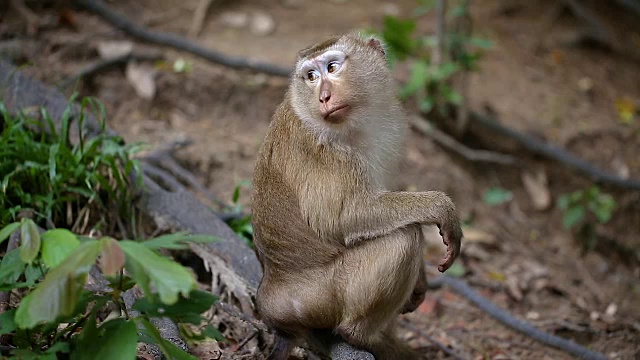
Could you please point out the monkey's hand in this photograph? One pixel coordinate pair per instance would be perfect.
(452, 237)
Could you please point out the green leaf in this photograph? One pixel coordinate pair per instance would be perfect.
(57, 244)
(212, 332)
(177, 241)
(397, 35)
(118, 340)
(168, 349)
(456, 270)
(497, 196)
(30, 240)
(481, 43)
(563, 202)
(60, 290)
(236, 194)
(8, 230)
(417, 80)
(53, 152)
(168, 277)
(186, 309)
(7, 324)
(12, 267)
(573, 216)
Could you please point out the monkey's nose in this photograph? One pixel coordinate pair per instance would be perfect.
(325, 95)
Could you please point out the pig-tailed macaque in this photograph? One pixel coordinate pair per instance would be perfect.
(340, 252)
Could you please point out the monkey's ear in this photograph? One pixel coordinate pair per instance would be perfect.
(375, 43)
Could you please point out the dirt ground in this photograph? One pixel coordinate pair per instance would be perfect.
(519, 257)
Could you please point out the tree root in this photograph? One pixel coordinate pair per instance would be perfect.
(180, 43)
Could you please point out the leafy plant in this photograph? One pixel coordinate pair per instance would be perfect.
(58, 315)
(582, 209)
(497, 196)
(242, 225)
(45, 174)
(430, 83)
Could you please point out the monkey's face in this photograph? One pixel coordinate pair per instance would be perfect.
(326, 86)
(337, 81)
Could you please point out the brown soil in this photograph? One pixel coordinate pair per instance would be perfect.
(519, 257)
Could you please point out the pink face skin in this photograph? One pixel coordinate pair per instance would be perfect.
(321, 73)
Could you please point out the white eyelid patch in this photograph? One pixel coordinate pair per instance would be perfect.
(324, 58)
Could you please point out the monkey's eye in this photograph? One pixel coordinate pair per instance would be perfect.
(333, 67)
(312, 75)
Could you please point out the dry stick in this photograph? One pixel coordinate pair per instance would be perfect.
(441, 346)
(102, 65)
(503, 316)
(598, 30)
(178, 42)
(231, 310)
(446, 141)
(199, 16)
(438, 52)
(555, 153)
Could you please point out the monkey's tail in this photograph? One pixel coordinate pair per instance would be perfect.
(284, 343)
(506, 318)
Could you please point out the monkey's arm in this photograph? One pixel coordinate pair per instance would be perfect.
(381, 213)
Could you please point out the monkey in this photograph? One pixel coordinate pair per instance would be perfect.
(339, 251)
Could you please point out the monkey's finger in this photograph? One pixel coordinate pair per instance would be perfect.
(446, 261)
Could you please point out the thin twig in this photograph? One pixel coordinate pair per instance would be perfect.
(199, 16)
(167, 39)
(231, 310)
(102, 65)
(446, 141)
(437, 343)
(244, 342)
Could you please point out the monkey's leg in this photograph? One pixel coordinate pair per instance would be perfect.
(380, 276)
(282, 347)
(418, 294)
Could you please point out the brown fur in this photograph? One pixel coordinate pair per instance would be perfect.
(338, 250)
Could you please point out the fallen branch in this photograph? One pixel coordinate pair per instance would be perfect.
(503, 316)
(178, 42)
(553, 152)
(106, 64)
(441, 138)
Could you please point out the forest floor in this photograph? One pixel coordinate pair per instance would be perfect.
(515, 254)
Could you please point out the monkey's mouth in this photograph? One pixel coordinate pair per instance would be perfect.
(337, 114)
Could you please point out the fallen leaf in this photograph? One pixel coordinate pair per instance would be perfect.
(262, 24)
(494, 275)
(475, 235)
(626, 109)
(537, 189)
(513, 288)
(141, 77)
(113, 49)
(234, 19)
(532, 315)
